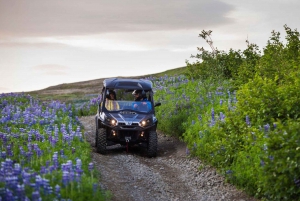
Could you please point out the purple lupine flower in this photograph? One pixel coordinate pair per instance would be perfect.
(3, 154)
(36, 196)
(91, 166)
(267, 127)
(9, 150)
(195, 145)
(26, 177)
(22, 152)
(52, 168)
(46, 186)
(20, 190)
(265, 147)
(199, 117)
(69, 165)
(95, 187)
(62, 153)
(212, 122)
(221, 102)
(193, 122)
(17, 169)
(47, 163)
(9, 195)
(78, 163)
(55, 159)
(200, 134)
(297, 182)
(187, 151)
(248, 120)
(212, 114)
(43, 170)
(65, 178)
(222, 116)
(38, 182)
(71, 176)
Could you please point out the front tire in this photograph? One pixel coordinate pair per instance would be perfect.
(152, 144)
(101, 141)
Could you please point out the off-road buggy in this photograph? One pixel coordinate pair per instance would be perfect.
(129, 122)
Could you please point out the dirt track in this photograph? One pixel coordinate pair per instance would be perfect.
(172, 175)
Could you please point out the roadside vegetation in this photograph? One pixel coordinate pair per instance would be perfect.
(43, 152)
(237, 110)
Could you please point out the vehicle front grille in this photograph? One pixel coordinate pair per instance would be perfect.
(123, 124)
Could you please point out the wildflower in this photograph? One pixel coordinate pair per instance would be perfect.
(95, 187)
(247, 120)
(57, 191)
(187, 151)
(200, 134)
(65, 178)
(297, 182)
(212, 114)
(222, 116)
(91, 166)
(55, 159)
(267, 127)
(36, 196)
(199, 117)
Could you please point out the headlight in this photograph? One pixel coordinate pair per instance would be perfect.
(111, 121)
(144, 123)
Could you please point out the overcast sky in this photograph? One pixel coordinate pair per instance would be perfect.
(45, 43)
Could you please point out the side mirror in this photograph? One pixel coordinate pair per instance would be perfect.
(157, 104)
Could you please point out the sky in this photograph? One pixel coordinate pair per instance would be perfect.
(46, 43)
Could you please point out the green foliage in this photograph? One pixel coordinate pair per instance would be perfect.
(246, 70)
(281, 162)
(262, 159)
(279, 60)
(219, 64)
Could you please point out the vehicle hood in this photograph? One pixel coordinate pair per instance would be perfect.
(129, 118)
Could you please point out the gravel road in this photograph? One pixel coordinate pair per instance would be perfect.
(171, 176)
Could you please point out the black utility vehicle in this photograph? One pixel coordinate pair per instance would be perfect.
(124, 120)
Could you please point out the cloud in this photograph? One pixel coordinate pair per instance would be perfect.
(51, 69)
(68, 17)
(20, 44)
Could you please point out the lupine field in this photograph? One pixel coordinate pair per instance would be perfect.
(43, 153)
(237, 111)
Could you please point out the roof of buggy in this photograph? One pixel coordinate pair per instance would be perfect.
(126, 83)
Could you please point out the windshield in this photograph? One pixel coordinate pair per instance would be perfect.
(139, 106)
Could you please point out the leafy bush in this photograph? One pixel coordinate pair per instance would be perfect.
(236, 136)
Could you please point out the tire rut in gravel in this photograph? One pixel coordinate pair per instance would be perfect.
(172, 175)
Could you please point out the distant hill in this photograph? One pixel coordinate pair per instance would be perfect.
(86, 89)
